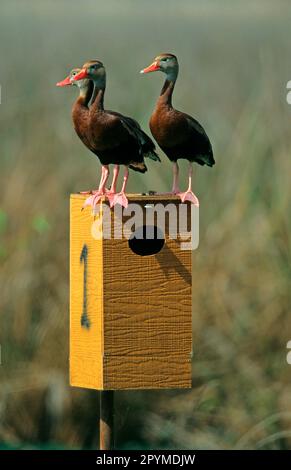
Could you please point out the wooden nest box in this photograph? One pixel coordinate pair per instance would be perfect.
(130, 301)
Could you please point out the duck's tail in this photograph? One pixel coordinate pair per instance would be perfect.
(138, 166)
(152, 155)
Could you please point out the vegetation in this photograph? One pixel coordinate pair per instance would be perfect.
(234, 66)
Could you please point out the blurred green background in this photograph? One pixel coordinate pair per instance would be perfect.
(235, 62)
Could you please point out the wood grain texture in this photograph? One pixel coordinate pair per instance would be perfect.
(86, 345)
(150, 372)
(139, 306)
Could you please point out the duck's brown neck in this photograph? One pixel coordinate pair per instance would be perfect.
(97, 103)
(98, 98)
(85, 94)
(167, 92)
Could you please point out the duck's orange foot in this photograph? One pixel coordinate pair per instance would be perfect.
(120, 198)
(189, 196)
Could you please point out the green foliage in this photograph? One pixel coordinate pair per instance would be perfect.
(40, 224)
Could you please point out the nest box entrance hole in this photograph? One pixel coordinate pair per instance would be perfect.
(146, 240)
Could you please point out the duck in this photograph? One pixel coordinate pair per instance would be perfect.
(116, 139)
(179, 135)
(80, 117)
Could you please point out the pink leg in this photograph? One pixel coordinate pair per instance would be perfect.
(104, 178)
(175, 187)
(120, 198)
(94, 191)
(189, 195)
(111, 193)
(97, 195)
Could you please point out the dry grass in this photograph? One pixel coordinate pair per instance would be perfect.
(234, 69)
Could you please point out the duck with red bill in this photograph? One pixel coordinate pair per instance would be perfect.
(179, 135)
(80, 111)
(114, 138)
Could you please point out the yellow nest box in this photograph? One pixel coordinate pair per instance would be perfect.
(130, 298)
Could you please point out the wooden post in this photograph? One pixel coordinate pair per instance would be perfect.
(107, 420)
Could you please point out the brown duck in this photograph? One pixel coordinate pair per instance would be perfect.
(80, 111)
(179, 135)
(80, 116)
(114, 138)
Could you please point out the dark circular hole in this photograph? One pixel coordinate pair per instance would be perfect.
(146, 240)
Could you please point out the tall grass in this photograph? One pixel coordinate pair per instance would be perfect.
(234, 66)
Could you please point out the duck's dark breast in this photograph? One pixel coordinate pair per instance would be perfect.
(167, 128)
(81, 123)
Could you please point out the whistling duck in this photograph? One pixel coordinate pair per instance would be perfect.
(114, 138)
(80, 116)
(177, 133)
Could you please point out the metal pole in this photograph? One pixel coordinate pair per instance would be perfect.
(107, 420)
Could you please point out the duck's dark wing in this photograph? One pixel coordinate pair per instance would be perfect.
(198, 135)
(146, 145)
